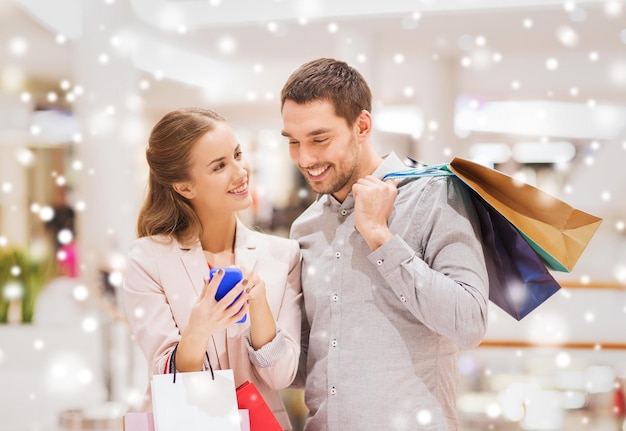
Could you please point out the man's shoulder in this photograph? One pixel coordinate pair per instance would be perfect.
(315, 209)
(271, 240)
(309, 220)
(422, 186)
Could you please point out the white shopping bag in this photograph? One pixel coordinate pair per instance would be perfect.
(195, 401)
(244, 415)
(144, 421)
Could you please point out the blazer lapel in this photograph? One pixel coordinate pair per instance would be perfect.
(245, 248)
(195, 264)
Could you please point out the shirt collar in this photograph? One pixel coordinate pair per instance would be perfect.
(391, 163)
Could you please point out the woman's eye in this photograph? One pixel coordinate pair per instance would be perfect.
(219, 167)
(238, 155)
(319, 141)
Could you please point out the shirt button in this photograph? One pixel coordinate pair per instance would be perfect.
(335, 297)
(337, 254)
(379, 262)
(344, 212)
(402, 298)
(333, 343)
(333, 390)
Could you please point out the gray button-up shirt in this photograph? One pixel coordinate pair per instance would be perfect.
(385, 326)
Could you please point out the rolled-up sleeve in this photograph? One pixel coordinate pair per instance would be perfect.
(444, 283)
(270, 353)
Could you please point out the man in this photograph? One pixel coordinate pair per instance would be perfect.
(393, 275)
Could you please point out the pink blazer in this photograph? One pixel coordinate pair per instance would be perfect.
(162, 283)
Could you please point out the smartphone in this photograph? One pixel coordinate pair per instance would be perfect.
(232, 276)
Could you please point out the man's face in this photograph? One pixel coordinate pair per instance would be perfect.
(323, 146)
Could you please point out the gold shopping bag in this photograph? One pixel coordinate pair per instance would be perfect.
(557, 231)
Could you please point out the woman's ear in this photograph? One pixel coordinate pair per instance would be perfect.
(184, 189)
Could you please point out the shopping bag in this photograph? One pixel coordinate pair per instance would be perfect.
(519, 280)
(244, 415)
(555, 230)
(195, 401)
(261, 416)
(144, 421)
(525, 231)
(138, 421)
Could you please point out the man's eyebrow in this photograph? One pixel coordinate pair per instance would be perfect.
(312, 133)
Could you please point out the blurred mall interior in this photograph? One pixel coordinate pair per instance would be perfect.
(533, 88)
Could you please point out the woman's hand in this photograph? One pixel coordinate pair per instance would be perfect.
(213, 315)
(207, 317)
(255, 287)
(262, 324)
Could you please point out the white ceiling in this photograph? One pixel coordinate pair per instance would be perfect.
(268, 39)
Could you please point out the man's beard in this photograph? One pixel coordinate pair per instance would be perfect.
(340, 182)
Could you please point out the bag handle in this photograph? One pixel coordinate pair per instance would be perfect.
(422, 171)
(172, 368)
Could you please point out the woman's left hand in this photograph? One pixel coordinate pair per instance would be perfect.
(262, 324)
(255, 286)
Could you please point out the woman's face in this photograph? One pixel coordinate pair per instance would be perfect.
(219, 174)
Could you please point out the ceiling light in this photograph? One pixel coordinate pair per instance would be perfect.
(539, 152)
(406, 119)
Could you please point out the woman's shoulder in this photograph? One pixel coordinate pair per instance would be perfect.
(157, 243)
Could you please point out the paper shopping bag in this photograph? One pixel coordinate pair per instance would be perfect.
(261, 416)
(516, 250)
(518, 279)
(138, 421)
(194, 401)
(144, 421)
(244, 416)
(556, 230)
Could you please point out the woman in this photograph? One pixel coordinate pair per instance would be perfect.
(188, 224)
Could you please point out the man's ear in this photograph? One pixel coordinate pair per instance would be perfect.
(184, 189)
(363, 124)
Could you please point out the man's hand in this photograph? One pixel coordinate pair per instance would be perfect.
(373, 203)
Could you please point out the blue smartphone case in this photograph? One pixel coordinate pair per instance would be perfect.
(232, 276)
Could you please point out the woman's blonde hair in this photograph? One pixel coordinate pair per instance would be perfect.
(164, 211)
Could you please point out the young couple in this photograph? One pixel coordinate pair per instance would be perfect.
(377, 288)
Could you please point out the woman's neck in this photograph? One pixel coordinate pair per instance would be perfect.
(219, 235)
(218, 242)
